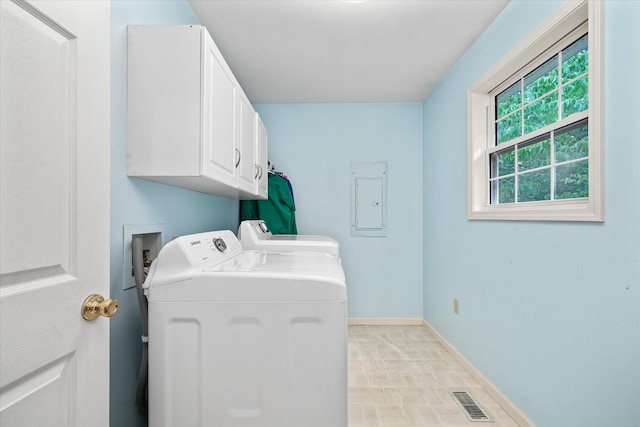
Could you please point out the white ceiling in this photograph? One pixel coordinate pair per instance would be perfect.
(343, 51)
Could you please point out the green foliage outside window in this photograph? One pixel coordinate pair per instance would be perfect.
(572, 179)
(534, 155)
(572, 145)
(539, 105)
(534, 186)
(575, 97)
(541, 113)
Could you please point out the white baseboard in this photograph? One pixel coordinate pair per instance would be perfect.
(386, 321)
(510, 408)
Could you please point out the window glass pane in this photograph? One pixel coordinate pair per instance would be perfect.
(493, 165)
(575, 97)
(503, 163)
(509, 127)
(542, 80)
(541, 113)
(534, 186)
(503, 191)
(508, 101)
(572, 180)
(575, 59)
(534, 155)
(572, 144)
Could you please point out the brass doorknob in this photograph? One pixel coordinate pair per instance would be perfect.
(95, 305)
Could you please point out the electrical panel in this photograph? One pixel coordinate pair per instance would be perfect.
(369, 199)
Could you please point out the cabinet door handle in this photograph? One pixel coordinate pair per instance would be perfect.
(258, 174)
(239, 157)
(261, 171)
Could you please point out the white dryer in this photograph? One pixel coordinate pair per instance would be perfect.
(254, 234)
(245, 338)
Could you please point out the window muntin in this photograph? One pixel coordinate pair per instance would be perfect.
(546, 99)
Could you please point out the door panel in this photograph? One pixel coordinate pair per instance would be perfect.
(36, 86)
(51, 389)
(54, 212)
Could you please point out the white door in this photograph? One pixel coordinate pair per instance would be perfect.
(54, 212)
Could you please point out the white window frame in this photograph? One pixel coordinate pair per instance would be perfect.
(480, 127)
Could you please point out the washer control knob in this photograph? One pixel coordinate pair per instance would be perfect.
(220, 244)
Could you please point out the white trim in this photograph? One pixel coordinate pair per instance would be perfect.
(596, 108)
(479, 102)
(510, 408)
(386, 321)
(569, 16)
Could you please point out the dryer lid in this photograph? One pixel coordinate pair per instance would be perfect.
(253, 234)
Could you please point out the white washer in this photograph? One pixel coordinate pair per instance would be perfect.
(254, 234)
(245, 338)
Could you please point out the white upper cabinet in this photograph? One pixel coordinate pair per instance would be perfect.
(189, 122)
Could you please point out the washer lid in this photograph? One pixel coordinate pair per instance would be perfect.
(193, 268)
(258, 276)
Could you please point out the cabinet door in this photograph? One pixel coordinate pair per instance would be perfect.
(247, 171)
(261, 158)
(164, 100)
(220, 151)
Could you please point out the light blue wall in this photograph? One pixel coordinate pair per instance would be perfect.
(135, 201)
(549, 312)
(315, 144)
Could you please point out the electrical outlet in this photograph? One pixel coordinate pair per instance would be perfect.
(151, 244)
(456, 306)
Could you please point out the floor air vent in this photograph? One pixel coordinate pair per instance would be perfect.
(470, 407)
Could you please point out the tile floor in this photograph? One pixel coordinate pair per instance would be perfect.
(402, 376)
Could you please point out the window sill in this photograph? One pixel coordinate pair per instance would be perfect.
(568, 210)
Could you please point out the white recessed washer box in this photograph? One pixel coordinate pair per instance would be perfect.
(152, 235)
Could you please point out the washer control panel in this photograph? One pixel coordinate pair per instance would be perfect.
(210, 248)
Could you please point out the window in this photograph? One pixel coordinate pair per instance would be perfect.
(535, 128)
